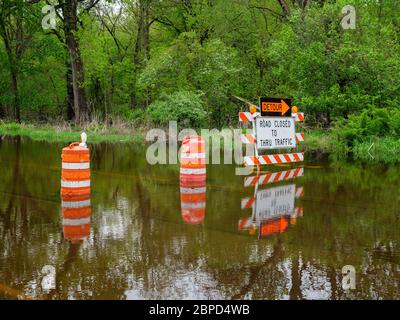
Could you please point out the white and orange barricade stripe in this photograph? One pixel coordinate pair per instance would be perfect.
(299, 116)
(247, 202)
(246, 223)
(273, 158)
(193, 159)
(299, 192)
(273, 177)
(193, 201)
(75, 171)
(248, 116)
(299, 137)
(248, 138)
(298, 212)
(76, 212)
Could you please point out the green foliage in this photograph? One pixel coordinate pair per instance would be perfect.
(192, 59)
(185, 107)
(372, 122)
(384, 150)
(187, 65)
(332, 72)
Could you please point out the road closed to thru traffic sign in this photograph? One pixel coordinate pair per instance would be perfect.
(275, 133)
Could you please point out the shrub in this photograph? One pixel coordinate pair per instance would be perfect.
(372, 122)
(185, 107)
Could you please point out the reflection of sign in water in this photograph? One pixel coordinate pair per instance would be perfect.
(275, 133)
(273, 177)
(273, 209)
(274, 202)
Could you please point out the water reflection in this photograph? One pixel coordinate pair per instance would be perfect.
(76, 212)
(273, 208)
(193, 201)
(139, 246)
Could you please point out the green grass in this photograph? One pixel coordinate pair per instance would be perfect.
(384, 150)
(67, 134)
(379, 150)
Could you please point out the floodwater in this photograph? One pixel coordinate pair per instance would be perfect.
(144, 240)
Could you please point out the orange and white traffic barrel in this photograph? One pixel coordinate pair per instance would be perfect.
(193, 201)
(75, 173)
(76, 212)
(193, 159)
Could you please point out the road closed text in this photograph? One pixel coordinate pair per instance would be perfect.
(275, 133)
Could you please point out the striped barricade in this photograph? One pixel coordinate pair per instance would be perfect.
(274, 158)
(248, 138)
(298, 117)
(273, 177)
(299, 137)
(247, 116)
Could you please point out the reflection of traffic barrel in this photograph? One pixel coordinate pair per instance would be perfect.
(193, 159)
(193, 201)
(76, 213)
(75, 174)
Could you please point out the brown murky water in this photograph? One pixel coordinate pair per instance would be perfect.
(141, 242)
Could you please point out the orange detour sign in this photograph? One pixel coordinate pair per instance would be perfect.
(193, 159)
(193, 201)
(75, 173)
(278, 107)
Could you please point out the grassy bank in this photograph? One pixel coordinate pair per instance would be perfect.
(67, 133)
(383, 150)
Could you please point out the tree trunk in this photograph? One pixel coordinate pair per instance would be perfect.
(142, 51)
(78, 79)
(285, 7)
(70, 93)
(13, 62)
(14, 86)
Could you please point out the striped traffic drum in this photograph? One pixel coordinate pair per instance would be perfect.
(193, 201)
(75, 173)
(193, 159)
(76, 212)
